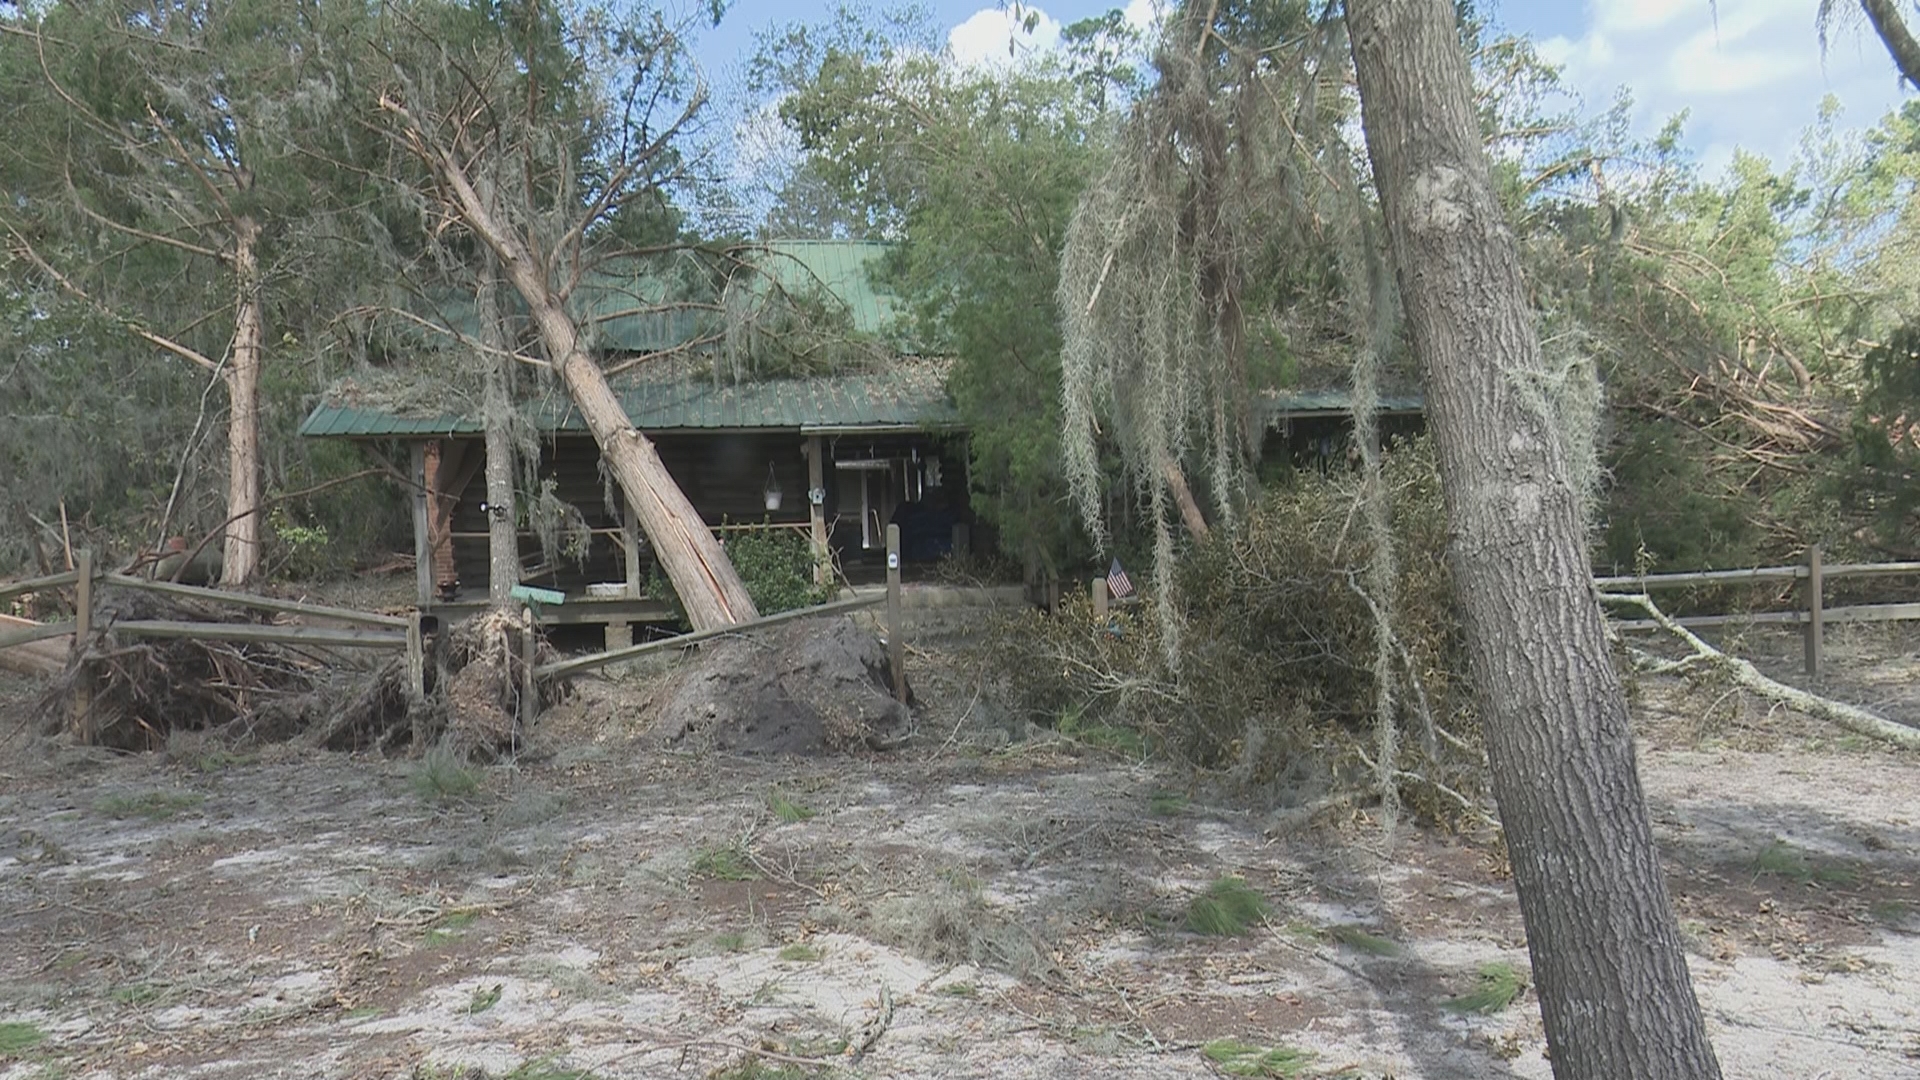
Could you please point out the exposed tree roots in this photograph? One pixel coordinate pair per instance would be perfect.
(133, 693)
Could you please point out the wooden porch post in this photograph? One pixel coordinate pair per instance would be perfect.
(422, 545)
(817, 511)
(630, 548)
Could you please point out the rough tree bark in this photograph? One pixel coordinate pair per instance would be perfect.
(1613, 982)
(503, 533)
(709, 588)
(1886, 20)
(241, 555)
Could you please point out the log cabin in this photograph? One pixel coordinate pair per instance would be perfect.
(835, 457)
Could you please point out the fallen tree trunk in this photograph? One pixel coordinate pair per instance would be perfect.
(1744, 674)
(709, 588)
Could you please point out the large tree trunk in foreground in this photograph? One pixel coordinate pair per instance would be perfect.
(241, 554)
(1886, 20)
(1613, 982)
(709, 588)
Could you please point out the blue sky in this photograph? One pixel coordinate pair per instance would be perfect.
(1750, 72)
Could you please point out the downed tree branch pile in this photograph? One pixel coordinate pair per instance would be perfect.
(132, 693)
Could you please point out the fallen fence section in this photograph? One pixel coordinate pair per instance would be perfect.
(366, 629)
(613, 656)
(1812, 618)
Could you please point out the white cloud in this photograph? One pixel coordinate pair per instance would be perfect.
(997, 37)
(1750, 73)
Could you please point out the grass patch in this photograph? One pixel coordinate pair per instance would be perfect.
(723, 864)
(960, 990)
(1230, 907)
(443, 775)
(1497, 986)
(1360, 939)
(730, 941)
(151, 805)
(1119, 741)
(364, 1012)
(1166, 804)
(1788, 863)
(801, 953)
(786, 810)
(16, 1037)
(547, 1069)
(134, 994)
(752, 1067)
(1891, 912)
(1235, 1058)
(484, 998)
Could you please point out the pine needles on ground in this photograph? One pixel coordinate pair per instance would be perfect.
(1235, 1058)
(1228, 908)
(1497, 986)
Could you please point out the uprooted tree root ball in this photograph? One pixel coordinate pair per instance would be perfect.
(132, 693)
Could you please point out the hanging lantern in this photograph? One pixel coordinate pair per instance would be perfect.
(773, 489)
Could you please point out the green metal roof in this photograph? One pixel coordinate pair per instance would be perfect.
(909, 394)
(845, 269)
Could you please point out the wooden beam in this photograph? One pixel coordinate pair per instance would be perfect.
(258, 603)
(52, 581)
(817, 510)
(612, 656)
(34, 632)
(262, 633)
(630, 548)
(896, 630)
(1815, 629)
(1635, 583)
(422, 539)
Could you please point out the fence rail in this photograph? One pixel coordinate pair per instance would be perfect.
(1812, 617)
(365, 629)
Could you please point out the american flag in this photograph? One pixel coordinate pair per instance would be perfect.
(1118, 584)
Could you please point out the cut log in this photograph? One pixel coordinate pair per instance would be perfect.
(44, 657)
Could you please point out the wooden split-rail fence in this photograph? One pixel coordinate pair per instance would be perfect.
(363, 629)
(1812, 616)
(372, 630)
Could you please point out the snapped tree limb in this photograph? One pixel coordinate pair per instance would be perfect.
(1743, 673)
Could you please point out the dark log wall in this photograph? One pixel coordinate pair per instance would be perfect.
(723, 474)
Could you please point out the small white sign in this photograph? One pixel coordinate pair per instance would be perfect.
(893, 560)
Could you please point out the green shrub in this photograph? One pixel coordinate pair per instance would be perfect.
(776, 565)
(1275, 683)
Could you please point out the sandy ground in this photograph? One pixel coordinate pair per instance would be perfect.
(957, 911)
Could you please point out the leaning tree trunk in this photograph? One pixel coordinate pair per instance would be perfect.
(708, 586)
(241, 554)
(503, 533)
(1892, 28)
(1612, 978)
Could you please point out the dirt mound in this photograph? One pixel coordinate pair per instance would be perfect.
(806, 687)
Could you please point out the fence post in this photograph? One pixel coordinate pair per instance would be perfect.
(1816, 617)
(1100, 598)
(80, 714)
(416, 661)
(896, 636)
(529, 690)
